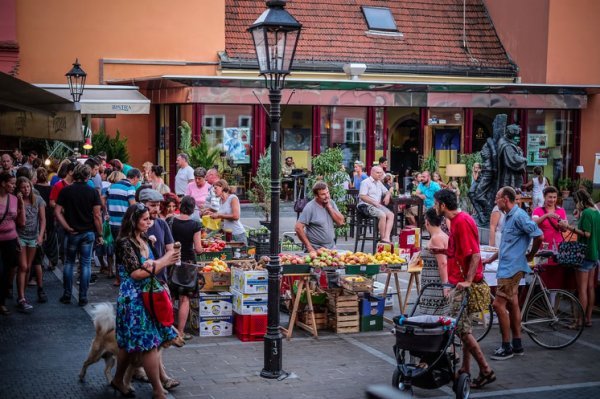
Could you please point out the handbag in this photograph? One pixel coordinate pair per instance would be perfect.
(571, 253)
(157, 301)
(107, 234)
(184, 276)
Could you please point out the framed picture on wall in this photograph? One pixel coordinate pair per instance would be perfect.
(296, 139)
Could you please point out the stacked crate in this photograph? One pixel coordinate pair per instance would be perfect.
(343, 312)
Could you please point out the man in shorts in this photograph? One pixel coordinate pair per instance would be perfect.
(464, 268)
(517, 232)
(373, 198)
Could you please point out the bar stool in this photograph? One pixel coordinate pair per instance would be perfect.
(364, 223)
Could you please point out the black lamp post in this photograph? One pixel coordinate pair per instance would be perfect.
(275, 34)
(76, 79)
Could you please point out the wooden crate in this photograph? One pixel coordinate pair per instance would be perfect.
(343, 312)
(321, 318)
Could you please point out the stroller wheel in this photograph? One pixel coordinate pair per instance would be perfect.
(463, 386)
(397, 382)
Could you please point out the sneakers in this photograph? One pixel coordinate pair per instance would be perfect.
(42, 297)
(502, 354)
(24, 307)
(518, 351)
(83, 302)
(66, 300)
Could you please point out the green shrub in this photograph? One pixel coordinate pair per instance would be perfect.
(115, 147)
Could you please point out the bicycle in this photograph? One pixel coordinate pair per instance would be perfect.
(553, 318)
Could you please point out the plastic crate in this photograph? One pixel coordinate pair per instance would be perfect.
(371, 323)
(295, 269)
(372, 306)
(364, 270)
(250, 328)
(225, 254)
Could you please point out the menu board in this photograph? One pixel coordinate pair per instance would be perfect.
(537, 149)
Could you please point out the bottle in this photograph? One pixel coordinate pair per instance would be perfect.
(177, 248)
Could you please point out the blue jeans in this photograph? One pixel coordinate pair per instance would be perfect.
(81, 243)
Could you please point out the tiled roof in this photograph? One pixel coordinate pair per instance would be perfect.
(335, 31)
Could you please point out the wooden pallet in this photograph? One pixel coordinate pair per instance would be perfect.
(343, 312)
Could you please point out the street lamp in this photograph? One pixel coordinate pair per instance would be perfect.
(76, 79)
(275, 34)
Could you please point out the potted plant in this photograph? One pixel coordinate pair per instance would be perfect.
(564, 185)
(260, 193)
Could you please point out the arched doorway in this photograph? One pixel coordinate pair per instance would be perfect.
(404, 144)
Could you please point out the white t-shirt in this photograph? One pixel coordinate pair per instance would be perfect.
(183, 177)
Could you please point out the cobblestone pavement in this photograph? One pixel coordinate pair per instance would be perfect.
(41, 355)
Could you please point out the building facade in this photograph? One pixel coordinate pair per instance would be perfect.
(436, 74)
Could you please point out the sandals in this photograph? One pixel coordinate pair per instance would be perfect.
(170, 383)
(483, 380)
(4, 310)
(187, 336)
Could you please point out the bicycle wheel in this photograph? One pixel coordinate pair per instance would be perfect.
(557, 326)
(482, 322)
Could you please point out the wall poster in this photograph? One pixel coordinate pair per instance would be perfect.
(537, 149)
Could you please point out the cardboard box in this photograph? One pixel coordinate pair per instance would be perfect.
(216, 304)
(213, 281)
(378, 291)
(221, 326)
(249, 304)
(249, 281)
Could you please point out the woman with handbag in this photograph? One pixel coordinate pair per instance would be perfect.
(588, 234)
(183, 280)
(12, 215)
(547, 217)
(137, 330)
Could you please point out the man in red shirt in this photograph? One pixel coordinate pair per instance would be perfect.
(464, 268)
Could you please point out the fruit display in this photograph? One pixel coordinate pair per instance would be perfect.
(216, 265)
(331, 257)
(248, 265)
(214, 246)
(387, 258)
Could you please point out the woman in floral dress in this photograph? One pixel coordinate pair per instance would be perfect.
(137, 331)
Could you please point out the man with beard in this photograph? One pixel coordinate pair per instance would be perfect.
(464, 269)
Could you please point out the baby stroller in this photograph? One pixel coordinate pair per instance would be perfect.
(425, 350)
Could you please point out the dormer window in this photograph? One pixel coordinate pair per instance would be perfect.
(379, 19)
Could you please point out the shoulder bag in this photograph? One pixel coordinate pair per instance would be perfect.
(571, 253)
(157, 301)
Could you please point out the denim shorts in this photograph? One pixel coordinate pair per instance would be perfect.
(28, 243)
(587, 265)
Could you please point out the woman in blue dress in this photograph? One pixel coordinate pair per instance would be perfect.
(137, 331)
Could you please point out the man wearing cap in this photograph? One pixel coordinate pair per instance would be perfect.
(358, 176)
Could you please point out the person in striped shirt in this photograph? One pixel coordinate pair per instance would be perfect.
(120, 196)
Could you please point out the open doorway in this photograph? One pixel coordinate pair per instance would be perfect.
(404, 146)
(446, 144)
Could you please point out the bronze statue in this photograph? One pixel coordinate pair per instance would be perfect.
(511, 162)
(484, 190)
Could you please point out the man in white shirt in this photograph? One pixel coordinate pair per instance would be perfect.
(185, 174)
(373, 198)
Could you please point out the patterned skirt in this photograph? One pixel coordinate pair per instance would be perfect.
(432, 301)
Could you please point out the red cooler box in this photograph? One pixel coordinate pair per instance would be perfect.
(408, 238)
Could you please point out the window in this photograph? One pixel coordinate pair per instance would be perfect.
(245, 121)
(214, 122)
(379, 18)
(354, 131)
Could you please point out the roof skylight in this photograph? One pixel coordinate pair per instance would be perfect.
(379, 18)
